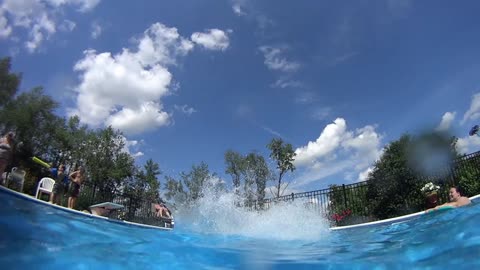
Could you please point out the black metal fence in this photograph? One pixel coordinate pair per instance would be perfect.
(342, 204)
(349, 204)
(136, 209)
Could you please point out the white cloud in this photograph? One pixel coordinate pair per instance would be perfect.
(131, 147)
(5, 29)
(446, 122)
(96, 30)
(275, 60)
(337, 150)
(185, 109)
(148, 116)
(473, 112)
(213, 39)
(468, 144)
(84, 5)
(125, 89)
(364, 175)
(39, 18)
(328, 141)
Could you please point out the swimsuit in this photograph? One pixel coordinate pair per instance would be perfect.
(59, 186)
(74, 189)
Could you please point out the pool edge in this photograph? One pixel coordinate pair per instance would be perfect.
(390, 220)
(34, 200)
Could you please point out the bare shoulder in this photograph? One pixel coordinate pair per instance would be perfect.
(463, 201)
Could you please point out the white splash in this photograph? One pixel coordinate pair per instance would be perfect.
(217, 214)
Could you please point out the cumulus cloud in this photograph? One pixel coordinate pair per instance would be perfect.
(38, 18)
(338, 150)
(468, 144)
(124, 89)
(446, 122)
(473, 112)
(212, 39)
(275, 60)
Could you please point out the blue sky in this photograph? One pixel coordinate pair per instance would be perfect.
(188, 80)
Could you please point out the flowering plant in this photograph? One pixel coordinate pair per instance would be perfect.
(430, 187)
(339, 216)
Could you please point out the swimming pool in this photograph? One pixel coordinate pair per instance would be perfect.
(38, 236)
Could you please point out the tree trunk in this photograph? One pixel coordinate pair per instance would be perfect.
(279, 184)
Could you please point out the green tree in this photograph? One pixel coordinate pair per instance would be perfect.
(174, 190)
(195, 180)
(256, 175)
(467, 175)
(347, 204)
(9, 81)
(105, 160)
(284, 156)
(405, 166)
(235, 164)
(152, 171)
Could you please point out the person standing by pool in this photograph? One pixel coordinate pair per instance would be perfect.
(59, 187)
(6, 151)
(76, 178)
(456, 199)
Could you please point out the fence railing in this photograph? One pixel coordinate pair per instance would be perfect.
(342, 204)
(136, 209)
(349, 204)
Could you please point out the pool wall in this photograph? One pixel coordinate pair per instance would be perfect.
(37, 201)
(474, 199)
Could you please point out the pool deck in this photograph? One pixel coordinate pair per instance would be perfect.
(76, 212)
(394, 220)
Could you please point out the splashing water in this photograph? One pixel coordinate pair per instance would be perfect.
(217, 214)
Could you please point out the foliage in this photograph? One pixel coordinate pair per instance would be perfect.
(9, 82)
(284, 156)
(397, 178)
(468, 176)
(429, 187)
(192, 185)
(174, 190)
(54, 139)
(348, 199)
(256, 174)
(235, 166)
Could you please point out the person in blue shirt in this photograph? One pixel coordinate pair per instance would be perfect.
(58, 191)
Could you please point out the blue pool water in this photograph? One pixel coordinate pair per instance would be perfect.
(37, 236)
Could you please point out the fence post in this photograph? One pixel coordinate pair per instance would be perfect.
(293, 196)
(344, 195)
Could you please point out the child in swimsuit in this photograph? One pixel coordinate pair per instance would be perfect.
(77, 178)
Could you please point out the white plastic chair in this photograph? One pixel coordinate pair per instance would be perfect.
(17, 178)
(45, 186)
